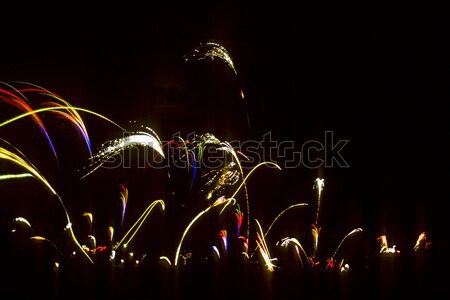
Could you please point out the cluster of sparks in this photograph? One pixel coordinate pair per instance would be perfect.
(312, 260)
(211, 50)
(421, 244)
(385, 247)
(112, 148)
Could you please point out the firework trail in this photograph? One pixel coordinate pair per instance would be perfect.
(43, 239)
(15, 176)
(239, 218)
(278, 217)
(211, 50)
(94, 241)
(17, 99)
(422, 237)
(192, 153)
(357, 230)
(281, 213)
(189, 153)
(75, 119)
(319, 184)
(71, 114)
(223, 236)
(110, 233)
(263, 249)
(23, 221)
(315, 233)
(137, 225)
(244, 182)
(89, 216)
(56, 108)
(14, 158)
(218, 202)
(114, 147)
(385, 247)
(216, 251)
(383, 242)
(65, 111)
(124, 198)
(340, 267)
(217, 179)
(25, 160)
(315, 230)
(285, 243)
(166, 259)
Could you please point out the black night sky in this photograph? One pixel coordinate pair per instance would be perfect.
(374, 75)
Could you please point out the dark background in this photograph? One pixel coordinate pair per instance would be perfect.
(374, 75)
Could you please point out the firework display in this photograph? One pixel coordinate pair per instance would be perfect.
(205, 222)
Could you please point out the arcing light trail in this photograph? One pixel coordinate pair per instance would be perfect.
(14, 158)
(137, 225)
(218, 202)
(278, 217)
(15, 176)
(115, 147)
(71, 114)
(211, 50)
(22, 104)
(56, 108)
(263, 249)
(124, 199)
